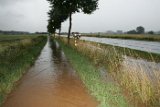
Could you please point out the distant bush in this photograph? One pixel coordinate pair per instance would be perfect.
(132, 32)
(151, 32)
(139, 30)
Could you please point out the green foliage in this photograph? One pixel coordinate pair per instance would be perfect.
(50, 26)
(140, 30)
(132, 32)
(56, 17)
(88, 6)
(63, 9)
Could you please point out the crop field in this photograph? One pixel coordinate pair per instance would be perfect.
(10, 40)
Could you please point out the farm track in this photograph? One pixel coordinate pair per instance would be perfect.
(51, 82)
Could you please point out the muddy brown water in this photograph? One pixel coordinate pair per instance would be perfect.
(51, 82)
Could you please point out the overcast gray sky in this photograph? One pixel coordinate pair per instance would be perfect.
(31, 15)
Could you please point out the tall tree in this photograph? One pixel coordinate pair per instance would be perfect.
(50, 27)
(85, 6)
(66, 8)
(140, 30)
(56, 16)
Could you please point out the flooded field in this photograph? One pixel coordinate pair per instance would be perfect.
(141, 64)
(51, 82)
(136, 72)
(153, 47)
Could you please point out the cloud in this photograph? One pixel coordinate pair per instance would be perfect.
(10, 2)
(25, 15)
(31, 15)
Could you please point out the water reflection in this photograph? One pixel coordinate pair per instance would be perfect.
(51, 82)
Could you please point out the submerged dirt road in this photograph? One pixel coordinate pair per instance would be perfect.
(51, 82)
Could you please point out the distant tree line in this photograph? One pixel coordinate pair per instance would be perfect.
(61, 10)
(139, 30)
(13, 32)
(41, 32)
(20, 32)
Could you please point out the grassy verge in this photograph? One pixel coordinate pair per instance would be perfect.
(107, 93)
(15, 60)
(121, 51)
(144, 37)
(141, 87)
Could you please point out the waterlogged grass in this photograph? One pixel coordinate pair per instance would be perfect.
(128, 67)
(145, 37)
(15, 60)
(107, 93)
(121, 51)
(140, 87)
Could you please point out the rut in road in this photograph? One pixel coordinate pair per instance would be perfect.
(51, 82)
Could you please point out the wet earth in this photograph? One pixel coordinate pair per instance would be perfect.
(51, 82)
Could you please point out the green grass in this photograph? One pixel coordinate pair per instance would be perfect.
(6, 37)
(123, 51)
(15, 60)
(10, 40)
(137, 86)
(145, 37)
(137, 54)
(134, 81)
(108, 94)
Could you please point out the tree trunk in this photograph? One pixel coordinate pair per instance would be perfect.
(70, 26)
(54, 35)
(59, 32)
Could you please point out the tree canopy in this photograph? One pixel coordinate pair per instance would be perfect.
(140, 30)
(132, 32)
(56, 17)
(63, 9)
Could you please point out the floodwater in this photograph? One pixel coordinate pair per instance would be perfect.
(142, 66)
(51, 82)
(147, 46)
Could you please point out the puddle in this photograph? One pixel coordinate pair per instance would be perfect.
(51, 82)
